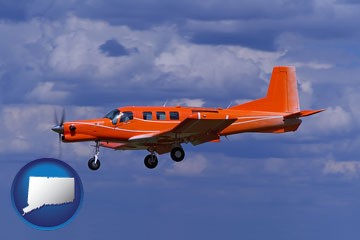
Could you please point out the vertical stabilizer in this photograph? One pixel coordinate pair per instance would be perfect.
(282, 95)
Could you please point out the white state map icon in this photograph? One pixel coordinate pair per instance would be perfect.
(45, 191)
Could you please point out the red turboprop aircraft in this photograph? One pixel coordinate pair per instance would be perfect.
(163, 129)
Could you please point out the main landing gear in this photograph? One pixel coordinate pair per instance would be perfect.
(151, 161)
(94, 162)
(177, 154)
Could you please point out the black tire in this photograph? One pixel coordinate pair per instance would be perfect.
(151, 161)
(92, 165)
(177, 154)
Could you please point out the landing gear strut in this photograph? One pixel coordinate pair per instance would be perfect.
(151, 161)
(94, 162)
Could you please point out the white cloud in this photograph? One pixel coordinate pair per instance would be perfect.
(76, 48)
(334, 120)
(215, 66)
(347, 168)
(45, 93)
(306, 91)
(28, 128)
(195, 102)
(312, 65)
(306, 87)
(241, 101)
(353, 99)
(193, 166)
(67, 52)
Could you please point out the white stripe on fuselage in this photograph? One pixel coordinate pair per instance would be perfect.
(255, 120)
(113, 128)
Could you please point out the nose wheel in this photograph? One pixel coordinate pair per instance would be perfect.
(94, 162)
(151, 161)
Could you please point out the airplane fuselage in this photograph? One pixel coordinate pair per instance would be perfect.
(152, 120)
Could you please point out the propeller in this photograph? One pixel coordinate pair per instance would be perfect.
(59, 127)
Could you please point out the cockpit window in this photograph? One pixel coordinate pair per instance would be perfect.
(113, 116)
(126, 116)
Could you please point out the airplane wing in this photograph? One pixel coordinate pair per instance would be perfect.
(203, 127)
(198, 128)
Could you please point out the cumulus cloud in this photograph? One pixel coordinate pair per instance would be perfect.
(216, 70)
(334, 120)
(52, 62)
(70, 59)
(192, 52)
(67, 52)
(45, 93)
(28, 127)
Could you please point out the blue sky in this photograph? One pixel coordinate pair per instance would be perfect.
(93, 56)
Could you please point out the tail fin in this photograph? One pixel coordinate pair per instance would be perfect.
(282, 95)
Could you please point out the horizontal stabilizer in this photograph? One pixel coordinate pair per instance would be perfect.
(303, 113)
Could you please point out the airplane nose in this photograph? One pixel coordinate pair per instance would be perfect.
(58, 129)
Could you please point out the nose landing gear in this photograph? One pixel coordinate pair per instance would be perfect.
(94, 162)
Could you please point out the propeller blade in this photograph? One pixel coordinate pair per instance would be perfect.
(60, 147)
(59, 128)
(62, 117)
(56, 119)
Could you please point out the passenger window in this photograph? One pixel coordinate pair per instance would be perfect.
(160, 116)
(126, 116)
(174, 115)
(147, 115)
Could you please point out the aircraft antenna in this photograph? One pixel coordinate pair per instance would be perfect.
(165, 103)
(229, 105)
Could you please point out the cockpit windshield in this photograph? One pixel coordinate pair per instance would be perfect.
(113, 115)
